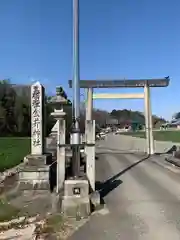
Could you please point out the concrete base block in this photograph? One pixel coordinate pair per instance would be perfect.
(80, 184)
(76, 202)
(76, 207)
(33, 178)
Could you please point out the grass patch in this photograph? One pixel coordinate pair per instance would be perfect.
(173, 136)
(53, 224)
(7, 211)
(135, 134)
(12, 151)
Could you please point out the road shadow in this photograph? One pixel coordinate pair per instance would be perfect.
(118, 152)
(106, 187)
(112, 183)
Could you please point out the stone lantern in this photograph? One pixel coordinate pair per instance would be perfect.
(58, 103)
(58, 132)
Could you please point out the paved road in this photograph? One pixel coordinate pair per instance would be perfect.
(142, 199)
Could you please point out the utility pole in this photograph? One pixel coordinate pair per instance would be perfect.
(76, 91)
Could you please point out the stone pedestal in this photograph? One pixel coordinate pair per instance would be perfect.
(34, 178)
(76, 202)
(35, 174)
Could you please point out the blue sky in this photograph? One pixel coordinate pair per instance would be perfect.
(118, 39)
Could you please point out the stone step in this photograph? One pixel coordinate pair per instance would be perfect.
(36, 160)
(38, 168)
(26, 185)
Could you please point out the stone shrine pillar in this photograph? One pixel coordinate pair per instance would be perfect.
(38, 125)
(37, 119)
(35, 173)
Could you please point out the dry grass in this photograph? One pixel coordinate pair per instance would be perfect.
(55, 225)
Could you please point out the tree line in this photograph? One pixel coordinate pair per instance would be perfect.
(15, 112)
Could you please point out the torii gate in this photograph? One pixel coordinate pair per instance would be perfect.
(140, 83)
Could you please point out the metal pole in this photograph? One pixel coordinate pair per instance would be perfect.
(76, 90)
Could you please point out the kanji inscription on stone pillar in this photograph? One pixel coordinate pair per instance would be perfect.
(37, 119)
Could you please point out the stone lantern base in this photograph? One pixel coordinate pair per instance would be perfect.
(76, 201)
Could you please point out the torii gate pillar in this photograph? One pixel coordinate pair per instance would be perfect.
(148, 121)
(90, 139)
(89, 104)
